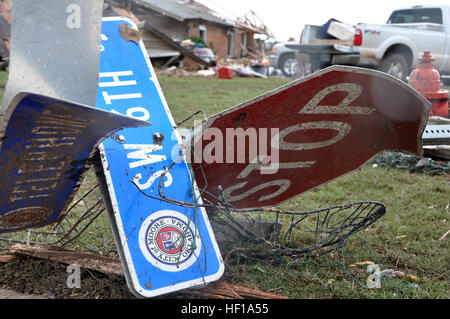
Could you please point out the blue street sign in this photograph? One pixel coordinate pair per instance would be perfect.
(45, 147)
(164, 247)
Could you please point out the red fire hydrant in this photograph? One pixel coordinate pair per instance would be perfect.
(427, 81)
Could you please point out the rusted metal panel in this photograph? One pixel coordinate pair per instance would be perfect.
(329, 123)
(45, 147)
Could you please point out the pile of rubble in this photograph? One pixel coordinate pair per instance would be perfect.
(238, 68)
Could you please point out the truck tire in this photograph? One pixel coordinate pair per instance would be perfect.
(288, 65)
(396, 65)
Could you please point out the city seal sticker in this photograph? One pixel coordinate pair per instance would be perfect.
(169, 240)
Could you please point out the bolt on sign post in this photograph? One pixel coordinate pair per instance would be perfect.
(304, 134)
(164, 247)
(47, 136)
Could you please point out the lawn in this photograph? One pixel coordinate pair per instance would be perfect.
(406, 238)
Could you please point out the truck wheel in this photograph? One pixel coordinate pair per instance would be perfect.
(396, 65)
(288, 65)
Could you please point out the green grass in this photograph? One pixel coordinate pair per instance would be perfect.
(406, 238)
(3, 79)
(187, 95)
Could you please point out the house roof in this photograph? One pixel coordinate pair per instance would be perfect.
(186, 10)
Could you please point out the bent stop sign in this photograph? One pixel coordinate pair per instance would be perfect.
(306, 133)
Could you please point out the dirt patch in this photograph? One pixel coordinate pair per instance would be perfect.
(10, 294)
(46, 279)
(27, 275)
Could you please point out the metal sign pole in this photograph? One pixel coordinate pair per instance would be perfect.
(47, 135)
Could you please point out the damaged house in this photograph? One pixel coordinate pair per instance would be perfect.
(167, 23)
(5, 30)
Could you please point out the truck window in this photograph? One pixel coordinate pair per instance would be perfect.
(425, 15)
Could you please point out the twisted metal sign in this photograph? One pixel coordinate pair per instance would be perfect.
(47, 133)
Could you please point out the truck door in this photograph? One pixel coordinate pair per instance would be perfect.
(429, 35)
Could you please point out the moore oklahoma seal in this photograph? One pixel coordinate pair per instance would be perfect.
(169, 241)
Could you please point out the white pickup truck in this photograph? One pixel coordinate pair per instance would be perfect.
(394, 47)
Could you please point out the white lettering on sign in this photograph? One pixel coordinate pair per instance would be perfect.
(104, 38)
(342, 128)
(108, 98)
(54, 134)
(152, 178)
(116, 81)
(353, 91)
(141, 153)
(138, 113)
(259, 164)
(283, 185)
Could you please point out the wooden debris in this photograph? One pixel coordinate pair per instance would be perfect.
(130, 34)
(7, 258)
(91, 261)
(445, 235)
(107, 265)
(362, 263)
(224, 290)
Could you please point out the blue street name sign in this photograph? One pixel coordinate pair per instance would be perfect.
(45, 147)
(164, 246)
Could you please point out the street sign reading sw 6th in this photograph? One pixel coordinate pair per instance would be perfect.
(311, 131)
(163, 246)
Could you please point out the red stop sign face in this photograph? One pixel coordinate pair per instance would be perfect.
(311, 131)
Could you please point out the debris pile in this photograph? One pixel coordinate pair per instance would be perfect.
(239, 68)
(411, 163)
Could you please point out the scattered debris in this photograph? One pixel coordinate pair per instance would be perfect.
(130, 34)
(175, 72)
(391, 273)
(362, 263)
(341, 30)
(423, 162)
(91, 261)
(107, 265)
(7, 258)
(411, 163)
(411, 278)
(224, 290)
(225, 72)
(445, 235)
(10, 294)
